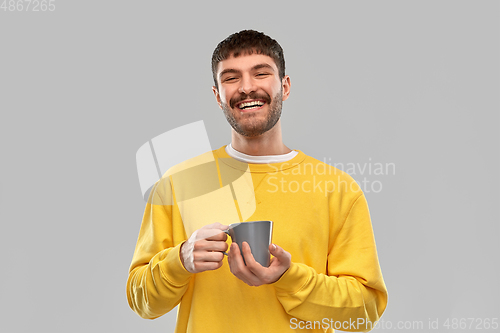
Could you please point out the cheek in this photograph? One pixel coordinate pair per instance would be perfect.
(274, 89)
(224, 96)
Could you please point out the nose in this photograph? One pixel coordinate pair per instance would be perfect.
(246, 85)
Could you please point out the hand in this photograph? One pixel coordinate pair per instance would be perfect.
(254, 274)
(203, 251)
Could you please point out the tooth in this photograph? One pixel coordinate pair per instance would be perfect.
(251, 104)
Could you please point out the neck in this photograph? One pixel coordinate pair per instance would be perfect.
(269, 143)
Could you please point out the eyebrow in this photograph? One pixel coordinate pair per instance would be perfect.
(256, 67)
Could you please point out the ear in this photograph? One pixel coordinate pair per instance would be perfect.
(286, 87)
(217, 96)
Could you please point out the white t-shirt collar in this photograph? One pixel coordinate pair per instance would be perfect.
(259, 159)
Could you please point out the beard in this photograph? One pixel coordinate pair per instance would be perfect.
(249, 124)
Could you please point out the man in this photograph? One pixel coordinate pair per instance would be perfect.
(324, 273)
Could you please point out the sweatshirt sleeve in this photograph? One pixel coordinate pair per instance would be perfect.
(157, 279)
(353, 289)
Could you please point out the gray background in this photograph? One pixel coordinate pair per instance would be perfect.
(414, 83)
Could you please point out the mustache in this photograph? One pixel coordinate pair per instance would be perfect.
(241, 98)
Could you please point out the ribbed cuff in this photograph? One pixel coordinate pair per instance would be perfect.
(172, 268)
(292, 280)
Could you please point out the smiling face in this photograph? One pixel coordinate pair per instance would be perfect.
(250, 93)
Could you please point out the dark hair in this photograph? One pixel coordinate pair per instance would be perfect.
(248, 42)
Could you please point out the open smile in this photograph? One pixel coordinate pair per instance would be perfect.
(250, 105)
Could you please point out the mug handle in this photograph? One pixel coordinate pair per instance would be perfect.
(227, 232)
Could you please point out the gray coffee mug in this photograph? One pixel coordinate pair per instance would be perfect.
(258, 234)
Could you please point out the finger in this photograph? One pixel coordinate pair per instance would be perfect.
(216, 225)
(211, 234)
(207, 256)
(279, 253)
(273, 249)
(281, 260)
(217, 236)
(238, 268)
(222, 226)
(256, 268)
(214, 230)
(244, 272)
(235, 256)
(266, 275)
(202, 266)
(208, 245)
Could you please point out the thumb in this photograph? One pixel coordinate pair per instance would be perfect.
(276, 250)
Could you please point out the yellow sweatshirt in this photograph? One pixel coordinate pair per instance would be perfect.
(320, 217)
